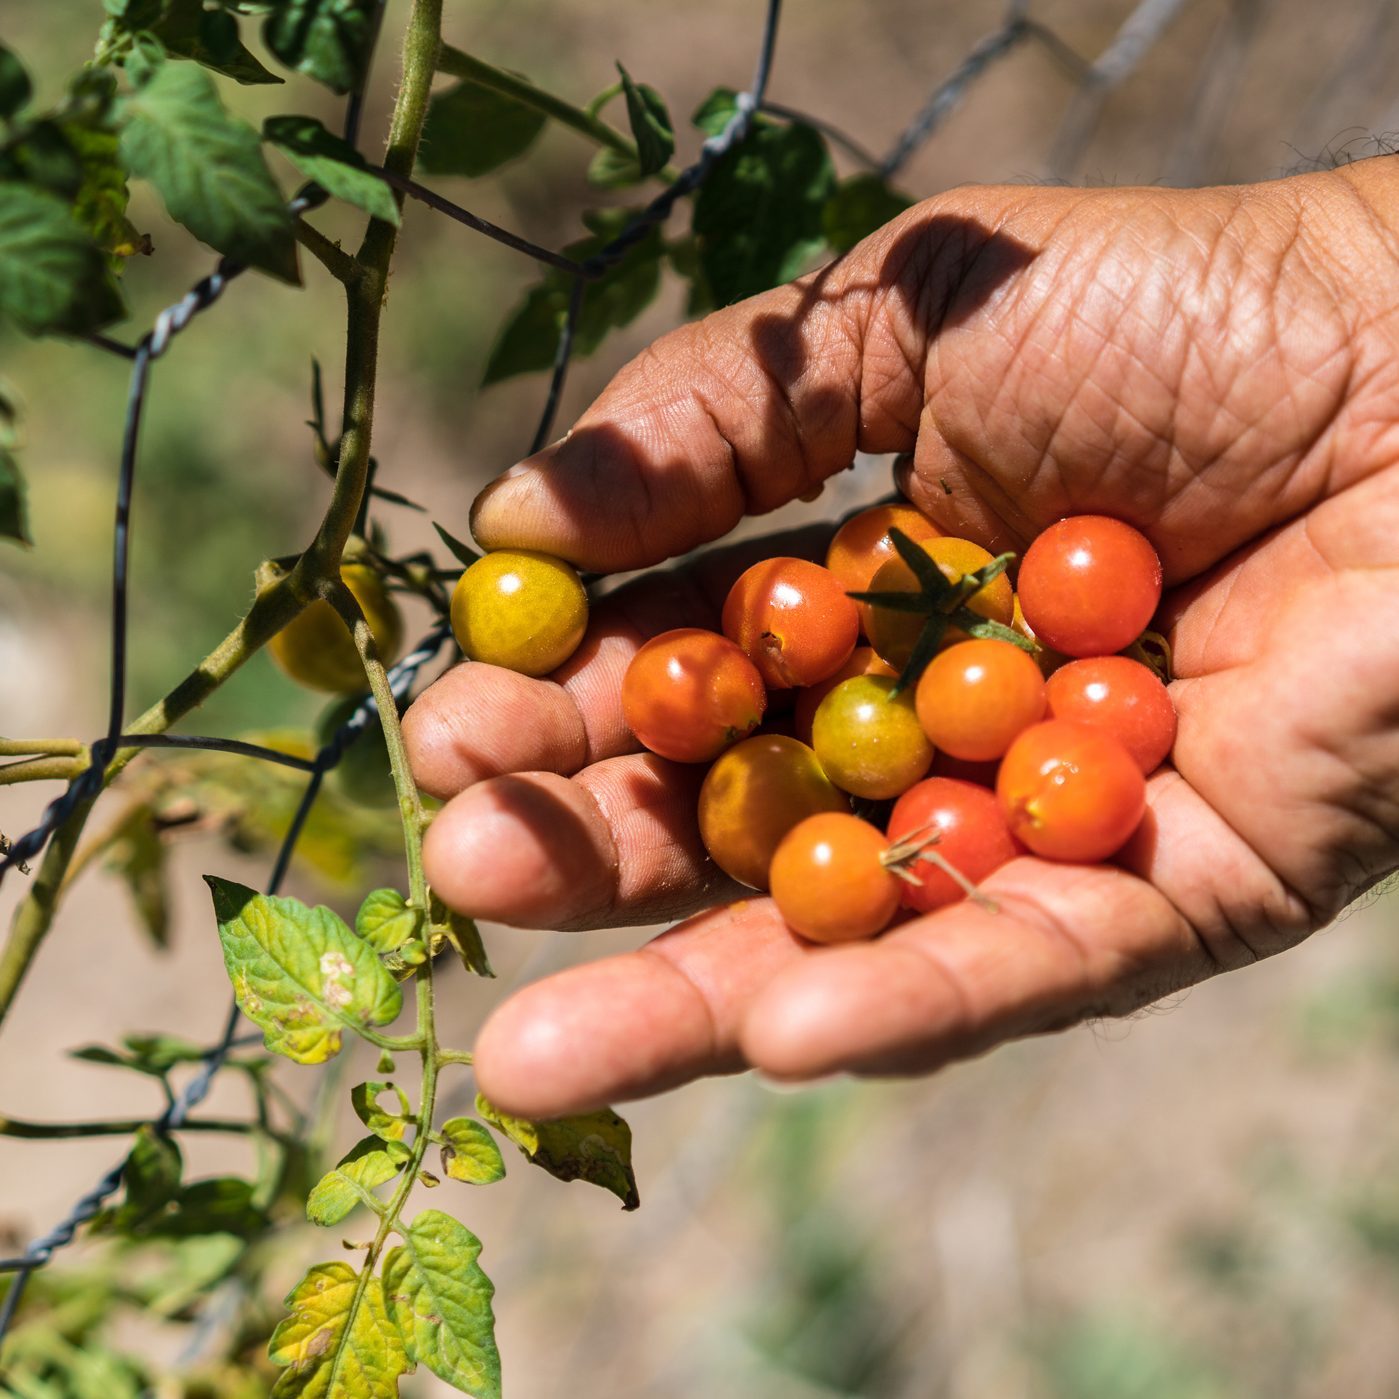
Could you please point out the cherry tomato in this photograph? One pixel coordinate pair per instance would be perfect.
(976, 696)
(1089, 585)
(363, 774)
(862, 543)
(688, 694)
(869, 739)
(1070, 792)
(793, 620)
(963, 825)
(894, 634)
(829, 881)
(863, 661)
(1047, 658)
(1122, 697)
(316, 649)
(753, 795)
(521, 610)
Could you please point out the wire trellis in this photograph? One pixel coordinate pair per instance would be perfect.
(1094, 82)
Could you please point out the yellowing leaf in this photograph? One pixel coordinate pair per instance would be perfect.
(299, 973)
(391, 1126)
(334, 1345)
(441, 1301)
(469, 1152)
(595, 1147)
(368, 1163)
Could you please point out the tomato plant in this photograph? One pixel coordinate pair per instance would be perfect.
(316, 649)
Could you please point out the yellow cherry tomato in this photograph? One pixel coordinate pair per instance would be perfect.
(521, 610)
(316, 649)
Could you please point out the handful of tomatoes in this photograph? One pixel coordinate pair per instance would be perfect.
(1037, 732)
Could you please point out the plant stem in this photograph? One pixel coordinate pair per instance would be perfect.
(54, 747)
(582, 120)
(18, 1127)
(330, 255)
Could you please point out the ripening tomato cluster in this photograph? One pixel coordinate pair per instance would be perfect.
(996, 719)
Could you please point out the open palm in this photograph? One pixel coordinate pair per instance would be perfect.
(1220, 368)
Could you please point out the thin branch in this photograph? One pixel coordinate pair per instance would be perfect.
(330, 255)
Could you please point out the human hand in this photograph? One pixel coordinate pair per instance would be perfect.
(1218, 367)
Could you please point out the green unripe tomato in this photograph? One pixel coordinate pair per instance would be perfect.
(316, 649)
(363, 774)
(519, 609)
(869, 739)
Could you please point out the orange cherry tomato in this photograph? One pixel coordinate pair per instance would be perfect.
(793, 620)
(1070, 792)
(862, 543)
(829, 881)
(976, 696)
(689, 693)
(754, 794)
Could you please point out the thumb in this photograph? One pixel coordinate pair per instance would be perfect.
(758, 403)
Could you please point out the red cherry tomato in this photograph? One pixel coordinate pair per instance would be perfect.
(862, 543)
(688, 694)
(863, 661)
(964, 826)
(976, 696)
(1120, 696)
(869, 740)
(754, 794)
(829, 880)
(1089, 585)
(1070, 792)
(793, 620)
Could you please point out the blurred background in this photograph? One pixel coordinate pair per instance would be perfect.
(1200, 1202)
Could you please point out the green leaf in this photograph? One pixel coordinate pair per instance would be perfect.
(716, 111)
(138, 859)
(100, 200)
(441, 1301)
(299, 973)
(461, 552)
(208, 168)
(14, 515)
(391, 1126)
(469, 1152)
(757, 218)
(152, 1174)
(595, 1147)
(860, 205)
(52, 278)
(611, 169)
(925, 569)
(15, 88)
(210, 38)
(332, 163)
(650, 123)
(369, 1163)
(220, 1205)
(386, 921)
(160, 1053)
(924, 649)
(333, 1349)
(472, 130)
(986, 630)
(530, 337)
(462, 933)
(328, 40)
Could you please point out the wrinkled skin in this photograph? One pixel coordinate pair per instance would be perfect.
(1220, 368)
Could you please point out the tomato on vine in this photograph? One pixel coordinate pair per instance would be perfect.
(316, 648)
(753, 795)
(1120, 696)
(688, 694)
(519, 609)
(1070, 792)
(975, 696)
(793, 620)
(363, 774)
(830, 881)
(1089, 585)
